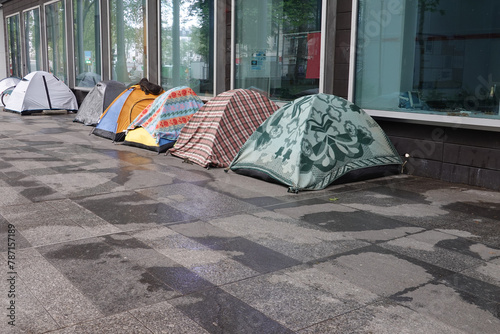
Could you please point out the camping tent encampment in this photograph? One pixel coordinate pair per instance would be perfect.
(158, 126)
(313, 141)
(98, 100)
(124, 109)
(39, 91)
(7, 85)
(216, 132)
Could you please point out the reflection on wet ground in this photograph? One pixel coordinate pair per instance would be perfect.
(113, 238)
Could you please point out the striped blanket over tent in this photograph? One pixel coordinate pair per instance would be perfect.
(214, 135)
(158, 126)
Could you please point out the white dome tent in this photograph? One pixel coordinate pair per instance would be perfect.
(39, 91)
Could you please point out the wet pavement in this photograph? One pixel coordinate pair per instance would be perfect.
(116, 239)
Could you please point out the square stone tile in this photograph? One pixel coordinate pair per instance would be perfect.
(139, 177)
(219, 312)
(89, 221)
(163, 318)
(15, 239)
(382, 317)
(488, 272)
(216, 266)
(477, 287)
(295, 239)
(438, 248)
(196, 201)
(9, 197)
(81, 183)
(63, 301)
(114, 324)
(131, 210)
(113, 272)
(458, 309)
(27, 314)
(42, 223)
(355, 223)
(382, 272)
(289, 301)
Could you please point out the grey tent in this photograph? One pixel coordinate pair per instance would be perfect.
(315, 140)
(87, 79)
(98, 100)
(7, 85)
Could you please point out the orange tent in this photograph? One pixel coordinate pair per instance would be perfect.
(122, 111)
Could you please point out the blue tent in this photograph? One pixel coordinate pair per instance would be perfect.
(124, 109)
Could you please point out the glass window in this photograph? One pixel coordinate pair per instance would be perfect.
(277, 46)
(56, 39)
(187, 45)
(32, 45)
(433, 56)
(128, 40)
(14, 44)
(87, 42)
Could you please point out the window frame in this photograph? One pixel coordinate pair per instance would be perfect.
(477, 123)
(73, 47)
(326, 68)
(109, 41)
(218, 64)
(9, 65)
(45, 39)
(24, 38)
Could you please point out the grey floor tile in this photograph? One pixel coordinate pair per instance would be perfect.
(114, 324)
(84, 218)
(163, 318)
(10, 197)
(172, 168)
(131, 210)
(219, 312)
(42, 223)
(477, 287)
(27, 314)
(112, 271)
(437, 248)
(457, 309)
(13, 239)
(289, 301)
(138, 177)
(64, 302)
(488, 272)
(383, 317)
(215, 266)
(293, 238)
(196, 201)
(383, 272)
(80, 183)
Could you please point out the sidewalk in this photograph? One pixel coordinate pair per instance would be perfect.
(116, 239)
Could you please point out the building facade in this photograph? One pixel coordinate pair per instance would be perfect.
(427, 70)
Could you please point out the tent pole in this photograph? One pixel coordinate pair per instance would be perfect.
(47, 91)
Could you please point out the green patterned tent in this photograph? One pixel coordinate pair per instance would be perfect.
(313, 141)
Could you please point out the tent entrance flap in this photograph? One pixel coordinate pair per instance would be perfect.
(47, 91)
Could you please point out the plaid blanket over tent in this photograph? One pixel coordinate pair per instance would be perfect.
(167, 115)
(214, 135)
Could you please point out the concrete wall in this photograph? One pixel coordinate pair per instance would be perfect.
(450, 154)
